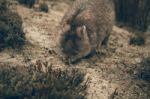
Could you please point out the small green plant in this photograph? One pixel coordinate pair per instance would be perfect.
(28, 3)
(44, 7)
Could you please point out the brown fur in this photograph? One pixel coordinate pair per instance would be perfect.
(86, 27)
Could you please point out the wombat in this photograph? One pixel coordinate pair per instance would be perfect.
(86, 28)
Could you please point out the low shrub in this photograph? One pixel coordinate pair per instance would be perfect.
(3, 5)
(11, 33)
(28, 83)
(144, 72)
(44, 7)
(28, 3)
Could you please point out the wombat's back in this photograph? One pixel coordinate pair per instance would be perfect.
(98, 17)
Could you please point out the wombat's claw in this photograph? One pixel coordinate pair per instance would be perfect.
(72, 60)
(100, 52)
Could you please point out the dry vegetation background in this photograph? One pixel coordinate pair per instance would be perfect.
(30, 63)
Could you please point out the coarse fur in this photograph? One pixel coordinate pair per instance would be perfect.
(86, 28)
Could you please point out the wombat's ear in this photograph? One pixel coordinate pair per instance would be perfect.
(84, 29)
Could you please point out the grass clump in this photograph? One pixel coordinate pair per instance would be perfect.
(137, 41)
(44, 7)
(3, 5)
(144, 72)
(11, 33)
(28, 83)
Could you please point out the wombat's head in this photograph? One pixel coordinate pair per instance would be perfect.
(72, 41)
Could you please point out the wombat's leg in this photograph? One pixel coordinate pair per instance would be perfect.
(101, 37)
(105, 42)
(85, 50)
(99, 45)
(102, 46)
(98, 49)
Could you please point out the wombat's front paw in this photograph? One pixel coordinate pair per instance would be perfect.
(100, 52)
(72, 59)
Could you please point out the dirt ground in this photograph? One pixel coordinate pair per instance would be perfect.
(112, 76)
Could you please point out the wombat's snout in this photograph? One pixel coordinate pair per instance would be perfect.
(69, 44)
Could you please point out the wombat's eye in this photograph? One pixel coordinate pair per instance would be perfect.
(78, 37)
